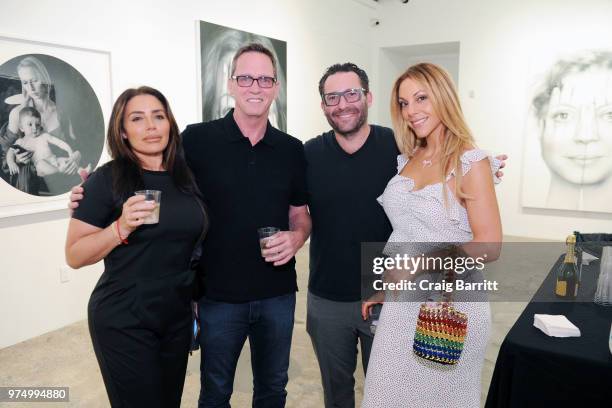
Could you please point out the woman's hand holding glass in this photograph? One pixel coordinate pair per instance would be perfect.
(135, 211)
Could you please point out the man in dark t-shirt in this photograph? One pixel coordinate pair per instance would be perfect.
(347, 169)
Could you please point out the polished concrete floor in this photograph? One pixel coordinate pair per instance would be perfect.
(65, 358)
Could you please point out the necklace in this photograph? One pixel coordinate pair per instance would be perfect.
(426, 162)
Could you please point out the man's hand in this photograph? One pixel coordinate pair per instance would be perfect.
(366, 307)
(76, 195)
(282, 246)
(502, 158)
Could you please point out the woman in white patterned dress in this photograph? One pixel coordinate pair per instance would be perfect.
(438, 159)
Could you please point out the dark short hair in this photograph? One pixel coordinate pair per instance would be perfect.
(346, 67)
(28, 111)
(254, 47)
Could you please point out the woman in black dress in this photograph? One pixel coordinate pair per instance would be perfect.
(139, 312)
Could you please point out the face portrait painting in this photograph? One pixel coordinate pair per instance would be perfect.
(572, 118)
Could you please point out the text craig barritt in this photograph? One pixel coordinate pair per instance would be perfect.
(443, 285)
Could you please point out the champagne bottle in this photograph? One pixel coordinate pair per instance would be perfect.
(567, 274)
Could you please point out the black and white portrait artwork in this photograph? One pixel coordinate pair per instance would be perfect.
(568, 138)
(218, 44)
(51, 125)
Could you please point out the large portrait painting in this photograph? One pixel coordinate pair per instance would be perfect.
(218, 44)
(53, 100)
(568, 137)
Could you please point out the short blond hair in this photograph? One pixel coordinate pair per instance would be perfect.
(254, 47)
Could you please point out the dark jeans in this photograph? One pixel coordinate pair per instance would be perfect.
(268, 324)
(335, 328)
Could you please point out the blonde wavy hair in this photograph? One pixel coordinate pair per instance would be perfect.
(442, 93)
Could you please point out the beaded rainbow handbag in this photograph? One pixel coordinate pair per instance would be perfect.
(440, 333)
(441, 329)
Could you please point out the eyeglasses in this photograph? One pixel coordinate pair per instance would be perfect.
(350, 96)
(245, 81)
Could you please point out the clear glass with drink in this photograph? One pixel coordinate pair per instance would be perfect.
(153, 196)
(265, 234)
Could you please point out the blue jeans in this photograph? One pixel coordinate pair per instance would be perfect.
(268, 324)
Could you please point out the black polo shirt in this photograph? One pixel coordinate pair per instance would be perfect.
(342, 191)
(245, 187)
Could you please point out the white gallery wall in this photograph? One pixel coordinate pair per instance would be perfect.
(154, 42)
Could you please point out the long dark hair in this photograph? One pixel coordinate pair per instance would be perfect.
(126, 167)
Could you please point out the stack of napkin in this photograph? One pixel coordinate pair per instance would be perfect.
(587, 258)
(555, 325)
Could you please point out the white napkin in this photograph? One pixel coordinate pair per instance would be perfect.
(587, 258)
(555, 325)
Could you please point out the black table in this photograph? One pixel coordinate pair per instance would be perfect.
(535, 370)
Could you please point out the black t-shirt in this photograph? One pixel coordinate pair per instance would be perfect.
(155, 262)
(245, 187)
(342, 190)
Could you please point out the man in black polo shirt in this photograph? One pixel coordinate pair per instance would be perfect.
(347, 169)
(251, 175)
